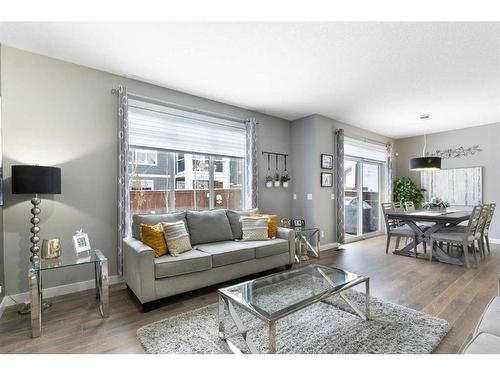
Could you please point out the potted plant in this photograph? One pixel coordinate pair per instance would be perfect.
(284, 180)
(405, 190)
(436, 204)
(269, 181)
(277, 180)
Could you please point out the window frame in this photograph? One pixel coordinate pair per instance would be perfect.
(145, 151)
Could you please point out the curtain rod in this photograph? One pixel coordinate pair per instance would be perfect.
(183, 107)
(367, 140)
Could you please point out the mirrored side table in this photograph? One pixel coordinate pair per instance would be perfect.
(36, 288)
(307, 243)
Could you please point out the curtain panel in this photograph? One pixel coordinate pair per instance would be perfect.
(339, 185)
(251, 185)
(123, 177)
(389, 177)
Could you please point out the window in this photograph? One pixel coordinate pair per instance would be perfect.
(184, 161)
(143, 157)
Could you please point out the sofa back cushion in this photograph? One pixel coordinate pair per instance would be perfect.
(208, 226)
(153, 219)
(234, 220)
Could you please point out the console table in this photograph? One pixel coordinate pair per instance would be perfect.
(36, 289)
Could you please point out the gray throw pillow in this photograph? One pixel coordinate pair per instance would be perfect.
(153, 219)
(208, 226)
(234, 220)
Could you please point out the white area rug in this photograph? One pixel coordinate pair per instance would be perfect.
(323, 328)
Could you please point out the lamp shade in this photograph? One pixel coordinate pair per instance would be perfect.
(35, 179)
(425, 163)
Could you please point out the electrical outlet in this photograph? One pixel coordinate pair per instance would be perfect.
(309, 197)
(294, 196)
(322, 234)
(332, 197)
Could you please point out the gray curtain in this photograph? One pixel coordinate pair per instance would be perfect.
(251, 186)
(339, 185)
(123, 177)
(388, 182)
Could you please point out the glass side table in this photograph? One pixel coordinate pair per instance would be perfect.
(36, 289)
(307, 242)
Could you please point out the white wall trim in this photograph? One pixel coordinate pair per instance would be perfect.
(329, 246)
(55, 291)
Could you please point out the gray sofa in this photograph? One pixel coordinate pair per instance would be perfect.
(216, 257)
(486, 339)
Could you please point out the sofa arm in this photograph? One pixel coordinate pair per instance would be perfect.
(289, 235)
(138, 269)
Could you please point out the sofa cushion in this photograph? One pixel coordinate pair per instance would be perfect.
(490, 321)
(227, 252)
(268, 248)
(153, 219)
(484, 343)
(208, 226)
(188, 262)
(234, 221)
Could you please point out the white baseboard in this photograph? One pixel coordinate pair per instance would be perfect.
(329, 246)
(55, 291)
(494, 240)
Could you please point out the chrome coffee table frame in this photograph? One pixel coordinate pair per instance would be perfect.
(228, 301)
(36, 290)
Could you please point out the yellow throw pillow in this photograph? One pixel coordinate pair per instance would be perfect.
(152, 235)
(272, 224)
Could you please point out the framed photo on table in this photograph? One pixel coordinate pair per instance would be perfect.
(81, 242)
(326, 179)
(326, 161)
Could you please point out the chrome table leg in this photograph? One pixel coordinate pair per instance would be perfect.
(36, 303)
(272, 337)
(102, 287)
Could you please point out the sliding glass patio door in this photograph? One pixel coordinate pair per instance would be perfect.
(363, 193)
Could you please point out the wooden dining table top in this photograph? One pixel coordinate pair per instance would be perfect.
(449, 216)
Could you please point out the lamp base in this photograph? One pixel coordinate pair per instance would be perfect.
(26, 308)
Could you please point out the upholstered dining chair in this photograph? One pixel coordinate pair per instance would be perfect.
(409, 206)
(464, 238)
(487, 224)
(394, 228)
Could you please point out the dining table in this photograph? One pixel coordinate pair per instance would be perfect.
(434, 220)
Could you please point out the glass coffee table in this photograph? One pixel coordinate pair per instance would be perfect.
(94, 257)
(273, 297)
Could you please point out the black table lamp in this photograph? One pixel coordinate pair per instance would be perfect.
(34, 180)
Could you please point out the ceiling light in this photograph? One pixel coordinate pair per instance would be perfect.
(425, 163)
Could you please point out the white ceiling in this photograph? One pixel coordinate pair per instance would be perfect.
(378, 76)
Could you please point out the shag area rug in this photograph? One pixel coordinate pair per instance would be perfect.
(322, 328)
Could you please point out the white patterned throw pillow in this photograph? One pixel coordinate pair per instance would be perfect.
(177, 238)
(254, 228)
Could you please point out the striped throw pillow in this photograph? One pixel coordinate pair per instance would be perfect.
(272, 225)
(254, 228)
(177, 237)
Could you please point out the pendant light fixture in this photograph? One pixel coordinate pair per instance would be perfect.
(425, 163)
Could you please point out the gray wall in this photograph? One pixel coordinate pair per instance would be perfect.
(2, 276)
(62, 114)
(486, 136)
(311, 137)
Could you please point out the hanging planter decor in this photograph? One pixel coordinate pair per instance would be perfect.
(285, 177)
(277, 176)
(269, 177)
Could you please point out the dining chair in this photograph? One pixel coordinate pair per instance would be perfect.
(462, 238)
(485, 234)
(394, 227)
(409, 206)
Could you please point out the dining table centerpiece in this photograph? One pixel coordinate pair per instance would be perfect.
(436, 204)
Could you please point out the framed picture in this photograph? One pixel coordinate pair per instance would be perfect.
(326, 179)
(298, 223)
(81, 242)
(326, 161)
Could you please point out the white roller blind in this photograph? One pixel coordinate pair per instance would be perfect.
(157, 126)
(365, 150)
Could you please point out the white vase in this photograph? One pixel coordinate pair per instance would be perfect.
(285, 184)
(269, 184)
(276, 184)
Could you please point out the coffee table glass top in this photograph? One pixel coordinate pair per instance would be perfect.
(282, 293)
(69, 259)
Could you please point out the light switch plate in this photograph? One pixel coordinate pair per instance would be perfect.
(332, 197)
(294, 196)
(309, 197)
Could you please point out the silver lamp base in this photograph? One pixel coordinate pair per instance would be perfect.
(26, 308)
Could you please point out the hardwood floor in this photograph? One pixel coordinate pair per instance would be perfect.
(73, 324)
